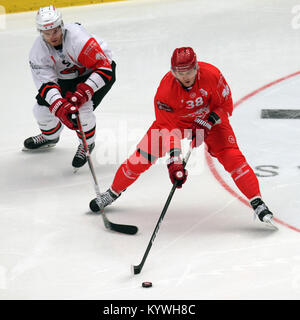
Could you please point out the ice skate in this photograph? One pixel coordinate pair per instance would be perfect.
(38, 143)
(263, 212)
(107, 198)
(80, 158)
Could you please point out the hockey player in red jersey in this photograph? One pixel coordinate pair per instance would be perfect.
(73, 71)
(193, 100)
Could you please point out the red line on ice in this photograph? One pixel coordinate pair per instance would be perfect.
(212, 166)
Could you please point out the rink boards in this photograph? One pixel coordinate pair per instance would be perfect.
(22, 5)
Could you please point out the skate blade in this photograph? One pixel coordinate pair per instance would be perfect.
(38, 149)
(270, 224)
(75, 169)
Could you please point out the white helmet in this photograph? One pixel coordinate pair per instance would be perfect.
(48, 18)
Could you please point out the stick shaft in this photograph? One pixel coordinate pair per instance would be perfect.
(89, 160)
(137, 269)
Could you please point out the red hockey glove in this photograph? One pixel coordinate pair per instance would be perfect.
(201, 128)
(68, 95)
(63, 109)
(82, 94)
(176, 171)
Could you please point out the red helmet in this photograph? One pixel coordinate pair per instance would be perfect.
(183, 59)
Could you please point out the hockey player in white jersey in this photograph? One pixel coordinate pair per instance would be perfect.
(72, 71)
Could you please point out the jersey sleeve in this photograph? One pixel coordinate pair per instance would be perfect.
(221, 98)
(92, 56)
(44, 75)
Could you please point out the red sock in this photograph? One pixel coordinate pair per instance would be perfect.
(129, 171)
(246, 180)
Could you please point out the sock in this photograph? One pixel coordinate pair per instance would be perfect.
(246, 180)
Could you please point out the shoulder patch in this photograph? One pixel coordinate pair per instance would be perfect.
(163, 106)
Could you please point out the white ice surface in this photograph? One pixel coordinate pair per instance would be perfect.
(208, 246)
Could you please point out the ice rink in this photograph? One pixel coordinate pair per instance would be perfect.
(208, 246)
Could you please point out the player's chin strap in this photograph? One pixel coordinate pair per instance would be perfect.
(127, 229)
(137, 269)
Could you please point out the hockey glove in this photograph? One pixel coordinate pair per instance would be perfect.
(63, 109)
(201, 128)
(176, 171)
(82, 94)
(68, 95)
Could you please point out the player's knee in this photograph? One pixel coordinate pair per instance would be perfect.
(137, 163)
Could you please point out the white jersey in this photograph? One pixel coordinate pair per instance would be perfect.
(81, 54)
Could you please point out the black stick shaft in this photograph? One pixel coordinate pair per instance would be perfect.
(137, 269)
(90, 163)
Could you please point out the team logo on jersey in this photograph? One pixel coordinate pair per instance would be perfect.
(34, 66)
(231, 139)
(163, 106)
(74, 69)
(203, 92)
(225, 91)
(192, 95)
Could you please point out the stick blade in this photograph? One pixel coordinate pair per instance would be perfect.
(135, 269)
(122, 228)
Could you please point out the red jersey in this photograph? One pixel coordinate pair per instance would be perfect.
(177, 107)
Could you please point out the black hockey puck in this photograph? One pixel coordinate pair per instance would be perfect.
(147, 284)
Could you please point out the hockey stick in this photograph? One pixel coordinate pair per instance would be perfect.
(122, 228)
(137, 269)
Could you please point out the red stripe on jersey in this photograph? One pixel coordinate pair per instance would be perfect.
(79, 135)
(87, 134)
(47, 87)
(49, 132)
(90, 134)
(72, 58)
(104, 74)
